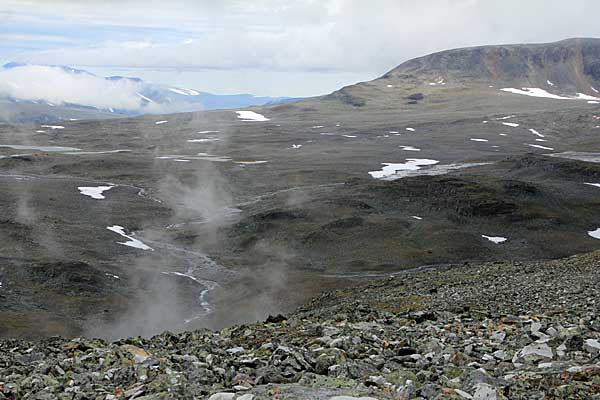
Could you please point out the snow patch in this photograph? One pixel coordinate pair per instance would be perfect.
(583, 96)
(160, 122)
(536, 133)
(539, 146)
(203, 140)
(251, 162)
(592, 184)
(595, 234)
(53, 127)
(410, 129)
(411, 164)
(479, 140)
(251, 116)
(95, 192)
(535, 92)
(132, 242)
(409, 148)
(511, 124)
(494, 239)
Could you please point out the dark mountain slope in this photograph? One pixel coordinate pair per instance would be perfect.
(572, 64)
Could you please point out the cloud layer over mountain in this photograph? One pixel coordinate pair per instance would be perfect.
(58, 86)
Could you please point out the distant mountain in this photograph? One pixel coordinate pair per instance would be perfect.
(568, 69)
(83, 94)
(572, 64)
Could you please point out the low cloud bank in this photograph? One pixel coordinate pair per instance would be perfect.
(58, 86)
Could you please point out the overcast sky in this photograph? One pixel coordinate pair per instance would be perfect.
(269, 47)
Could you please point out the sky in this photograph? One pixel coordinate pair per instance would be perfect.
(270, 47)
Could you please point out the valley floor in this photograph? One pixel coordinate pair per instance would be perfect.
(500, 330)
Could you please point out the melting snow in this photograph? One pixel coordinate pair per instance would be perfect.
(132, 242)
(112, 276)
(592, 184)
(94, 192)
(52, 126)
(409, 148)
(535, 92)
(495, 239)
(203, 140)
(583, 96)
(416, 217)
(296, 146)
(40, 131)
(549, 83)
(479, 140)
(502, 134)
(317, 127)
(507, 117)
(181, 160)
(593, 102)
(160, 122)
(595, 234)
(349, 136)
(251, 116)
(251, 162)
(411, 164)
(394, 132)
(540, 147)
(512, 124)
(203, 132)
(410, 129)
(536, 133)
(390, 86)
(540, 140)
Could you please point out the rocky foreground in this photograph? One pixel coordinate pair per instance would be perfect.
(494, 331)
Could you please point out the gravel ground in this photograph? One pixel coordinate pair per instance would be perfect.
(509, 330)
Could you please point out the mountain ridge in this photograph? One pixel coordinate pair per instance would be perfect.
(574, 63)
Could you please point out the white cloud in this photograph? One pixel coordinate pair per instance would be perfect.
(342, 35)
(53, 84)
(358, 38)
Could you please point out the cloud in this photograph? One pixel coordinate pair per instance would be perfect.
(340, 35)
(308, 36)
(55, 85)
